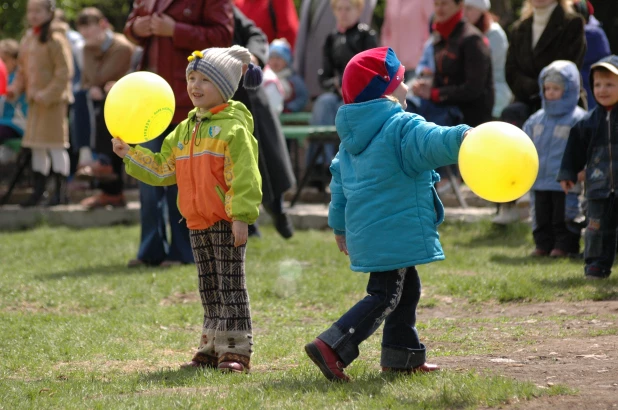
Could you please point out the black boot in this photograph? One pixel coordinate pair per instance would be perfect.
(39, 190)
(60, 196)
(283, 225)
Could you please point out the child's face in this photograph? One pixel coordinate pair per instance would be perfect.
(9, 62)
(605, 87)
(276, 63)
(552, 91)
(346, 14)
(445, 9)
(400, 93)
(93, 33)
(203, 93)
(37, 13)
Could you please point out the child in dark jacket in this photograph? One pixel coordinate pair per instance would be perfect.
(591, 144)
(549, 129)
(384, 212)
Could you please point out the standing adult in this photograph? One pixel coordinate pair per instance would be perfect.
(317, 21)
(405, 30)
(463, 75)
(547, 31)
(597, 45)
(276, 18)
(168, 31)
(477, 13)
(274, 158)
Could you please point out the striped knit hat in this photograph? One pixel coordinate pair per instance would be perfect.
(224, 67)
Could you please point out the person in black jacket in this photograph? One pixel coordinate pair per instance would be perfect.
(590, 145)
(350, 38)
(545, 33)
(463, 75)
(274, 158)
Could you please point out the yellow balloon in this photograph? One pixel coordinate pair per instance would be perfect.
(498, 161)
(139, 107)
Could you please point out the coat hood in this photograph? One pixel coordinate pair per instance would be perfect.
(358, 124)
(570, 76)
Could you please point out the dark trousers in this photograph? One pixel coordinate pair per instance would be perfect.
(600, 238)
(551, 230)
(392, 298)
(104, 148)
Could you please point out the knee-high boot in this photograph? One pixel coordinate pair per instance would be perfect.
(60, 196)
(40, 181)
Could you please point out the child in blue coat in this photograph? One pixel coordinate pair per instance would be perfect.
(549, 129)
(384, 212)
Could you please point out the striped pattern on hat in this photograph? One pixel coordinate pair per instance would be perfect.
(222, 66)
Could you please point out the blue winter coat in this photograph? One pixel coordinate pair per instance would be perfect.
(383, 197)
(549, 127)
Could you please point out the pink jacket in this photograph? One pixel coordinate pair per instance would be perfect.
(406, 28)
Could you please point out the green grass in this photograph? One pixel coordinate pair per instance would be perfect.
(78, 329)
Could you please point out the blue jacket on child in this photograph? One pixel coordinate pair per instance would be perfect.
(382, 194)
(549, 127)
(593, 143)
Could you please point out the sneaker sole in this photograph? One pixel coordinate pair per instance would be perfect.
(314, 354)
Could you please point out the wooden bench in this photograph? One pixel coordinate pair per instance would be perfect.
(319, 136)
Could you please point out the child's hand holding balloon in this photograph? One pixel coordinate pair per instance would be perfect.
(121, 148)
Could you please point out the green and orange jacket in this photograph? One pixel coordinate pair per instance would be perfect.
(214, 161)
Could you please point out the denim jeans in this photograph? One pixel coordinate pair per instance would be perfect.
(600, 238)
(158, 205)
(392, 298)
(324, 112)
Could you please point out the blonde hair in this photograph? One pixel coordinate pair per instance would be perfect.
(359, 4)
(527, 10)
(9, 47)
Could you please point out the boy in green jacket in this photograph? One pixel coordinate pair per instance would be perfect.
(212, 156)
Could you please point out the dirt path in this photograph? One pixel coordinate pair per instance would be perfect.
(588, 364)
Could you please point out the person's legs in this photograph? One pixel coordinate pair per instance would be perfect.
(324, 113)
(61, 166)
(600, 238)
(543, 233)
(209, 287)
(234, 339)
(363, 319)
(401, 347)
(41, 165)
(566, 242)
(153, 246)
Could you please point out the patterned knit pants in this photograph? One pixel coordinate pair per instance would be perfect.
(226, 335)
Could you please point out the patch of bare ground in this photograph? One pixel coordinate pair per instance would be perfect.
(123, 366)
(180, 298)
(585, 360)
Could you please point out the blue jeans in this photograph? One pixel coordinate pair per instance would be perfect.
(600, 238)
(158, 205)
(392, 298)
(324, 112)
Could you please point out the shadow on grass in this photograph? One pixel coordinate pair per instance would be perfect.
(173, 377)
(513, 235)
(604, 289)
(107, 270)
(528, 260)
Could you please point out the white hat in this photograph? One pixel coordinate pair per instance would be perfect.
(479, 4)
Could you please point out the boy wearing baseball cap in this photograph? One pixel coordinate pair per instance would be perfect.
(384, 212)
(593, 146)
(212, 156)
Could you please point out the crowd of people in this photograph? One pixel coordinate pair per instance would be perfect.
(224, 153)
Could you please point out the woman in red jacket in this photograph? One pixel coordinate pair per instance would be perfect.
(276, 18)
(168, 31)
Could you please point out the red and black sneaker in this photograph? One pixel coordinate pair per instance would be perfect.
(327, 360)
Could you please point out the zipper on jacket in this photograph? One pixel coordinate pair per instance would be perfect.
(191, 176)
(609, 138)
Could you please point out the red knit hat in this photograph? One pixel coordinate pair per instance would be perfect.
(371, 74)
